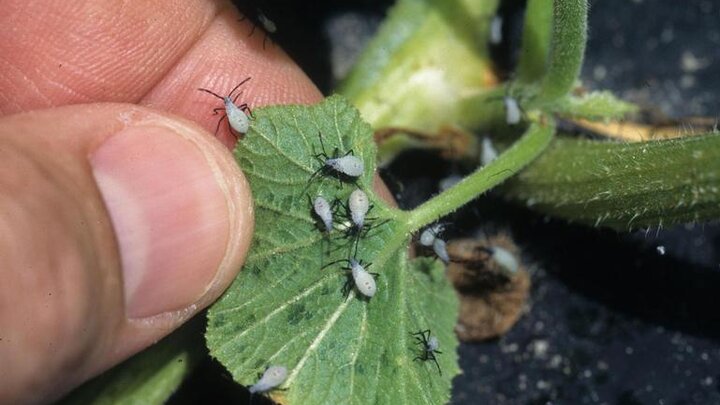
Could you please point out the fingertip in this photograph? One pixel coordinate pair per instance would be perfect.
(181, 211)
(221, 58)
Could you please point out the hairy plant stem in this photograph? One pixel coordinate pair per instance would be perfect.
(535, 40)
(567, 48)
(525, 150)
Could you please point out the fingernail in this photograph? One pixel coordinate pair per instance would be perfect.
(170, 215)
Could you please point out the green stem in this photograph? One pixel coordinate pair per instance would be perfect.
(624, 185)
(525, 150)
(567, 48)
(535, 40)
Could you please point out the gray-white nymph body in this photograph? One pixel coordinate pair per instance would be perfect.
(432, 344)
(359, 205)
(273, 376)
(440, 249)
(235, 114)
(324, 212)
(428, 236)
(268, 25)
(505, 260)
(237, 118)
(364, 281)
(489, 153)
(512, 110)
(349, 165)
(496, 30)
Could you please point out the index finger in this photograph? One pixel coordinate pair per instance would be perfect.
(151, 53)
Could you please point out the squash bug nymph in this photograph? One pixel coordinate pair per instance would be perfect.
(257, 17)
(359, 205)
(237, 115)
(489, 153)
(496, 30)
(512, 110)
(271, 378)
(505, 259)
(431, 237)
(440, 249)
(428, 236)
(348, 165)
(363, 280)
(323, 210)
(268, 25)
(429, 345)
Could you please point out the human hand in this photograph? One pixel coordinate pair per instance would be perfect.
(118, 222)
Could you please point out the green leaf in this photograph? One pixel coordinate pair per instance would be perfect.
(598, 105)
(287, 308)
(535, 40)
(624, 185)
(567, 49)
(150, 377)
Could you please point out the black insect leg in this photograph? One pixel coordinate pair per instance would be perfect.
(217, 127)
(431, 356)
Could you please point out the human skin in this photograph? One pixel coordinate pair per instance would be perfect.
(102, 133)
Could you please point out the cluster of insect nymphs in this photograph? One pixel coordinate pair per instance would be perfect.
(346, 168)
(349, 167)
(431, 237)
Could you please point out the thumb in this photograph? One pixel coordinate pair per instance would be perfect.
(117, 224)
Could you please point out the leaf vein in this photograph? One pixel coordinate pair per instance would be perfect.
(319, 338)
(277, 310)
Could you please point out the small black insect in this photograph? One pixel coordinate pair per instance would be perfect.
(429, 345)
(257, 17)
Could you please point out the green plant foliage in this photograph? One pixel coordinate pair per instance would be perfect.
(624, 185)
(150, 377)
(567, 49)
(287, 306)
(535, 41)
(599, 105)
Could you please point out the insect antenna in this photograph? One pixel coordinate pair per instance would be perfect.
(334, 262)
(238, 85)
(212, 93)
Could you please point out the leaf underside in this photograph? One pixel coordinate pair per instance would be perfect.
(286, 309)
